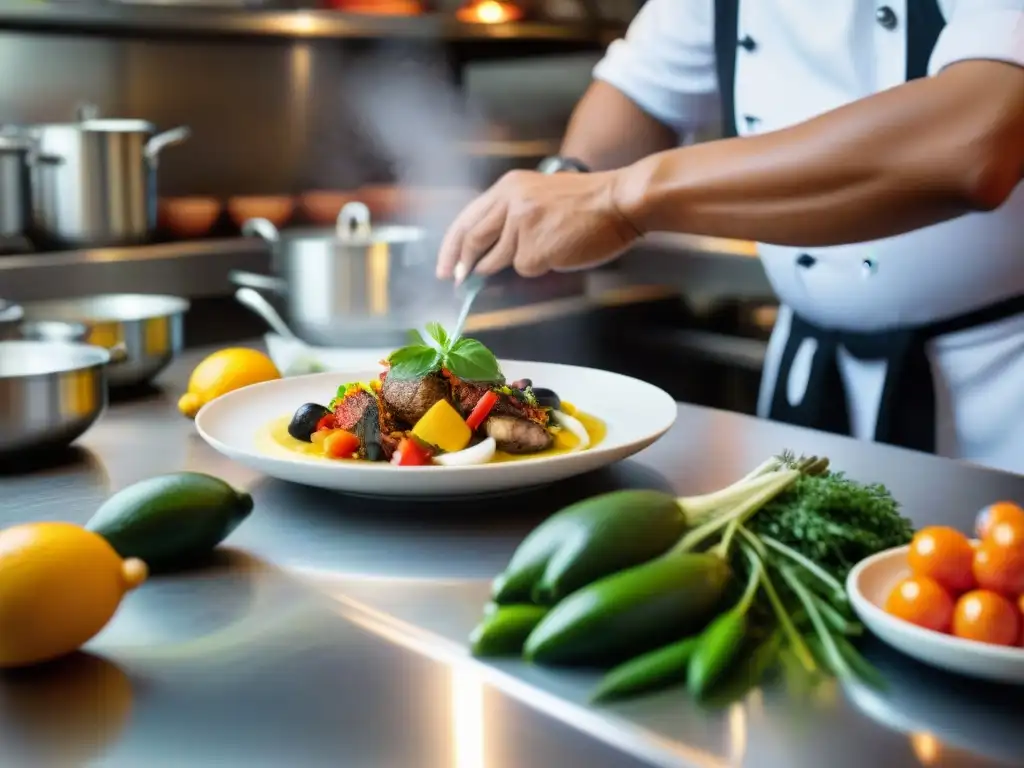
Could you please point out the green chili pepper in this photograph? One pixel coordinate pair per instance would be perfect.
(721, 641)
(656, 669)
(503, 631)
(588, 540)
(717, 648)
(632, 611)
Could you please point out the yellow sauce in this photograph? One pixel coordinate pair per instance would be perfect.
(273, 438)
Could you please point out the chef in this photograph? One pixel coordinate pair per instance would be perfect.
(874, 150)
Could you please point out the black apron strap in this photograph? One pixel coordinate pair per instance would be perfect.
(906, 412)
(727, 20)
(924, 25)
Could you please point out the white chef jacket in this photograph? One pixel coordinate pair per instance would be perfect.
(810, 57)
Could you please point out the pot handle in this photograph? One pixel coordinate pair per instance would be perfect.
(261, 228)
(268, 283)
(166, 139)
(353, 222)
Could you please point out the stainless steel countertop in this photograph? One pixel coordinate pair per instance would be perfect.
(331, 630)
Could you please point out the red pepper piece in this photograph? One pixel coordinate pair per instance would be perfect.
(482, 410)
(410, 454)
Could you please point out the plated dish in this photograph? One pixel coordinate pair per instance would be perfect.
(438, 402)
(621, 416)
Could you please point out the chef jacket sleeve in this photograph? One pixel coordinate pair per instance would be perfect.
(980, 29)
(666, 63)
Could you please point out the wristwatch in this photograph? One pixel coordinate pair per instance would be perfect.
(558, 164)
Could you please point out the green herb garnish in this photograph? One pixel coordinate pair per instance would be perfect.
(467, 359)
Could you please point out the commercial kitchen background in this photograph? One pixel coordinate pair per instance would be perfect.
(269, 94)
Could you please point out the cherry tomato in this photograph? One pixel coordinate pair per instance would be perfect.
(987, 617)
(921, 601)
(341, 444)
(1000, 569)
(1006, 533)
(943, 554)
(1001, 511)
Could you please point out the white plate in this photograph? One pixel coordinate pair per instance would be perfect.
(868, 586)
(634, 412)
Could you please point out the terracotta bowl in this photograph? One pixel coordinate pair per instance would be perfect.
(277, 209)
(321, 206)
(189, 216)
(386, 202)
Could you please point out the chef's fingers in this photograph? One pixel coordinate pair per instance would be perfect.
(451, 245)
(502, 253)
(479, 239)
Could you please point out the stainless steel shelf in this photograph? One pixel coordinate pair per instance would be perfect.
(79, 15)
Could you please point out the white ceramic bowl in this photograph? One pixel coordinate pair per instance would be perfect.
(868, 586)
(635, 414)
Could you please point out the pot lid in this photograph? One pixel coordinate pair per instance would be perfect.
(352, 227)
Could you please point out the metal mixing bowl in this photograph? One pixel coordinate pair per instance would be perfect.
(50, 393)
(148, 327)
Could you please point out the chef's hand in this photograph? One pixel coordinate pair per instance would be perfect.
(535, 223)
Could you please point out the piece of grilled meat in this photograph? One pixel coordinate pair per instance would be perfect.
(409, 399)
(517, 435)
(361, 414)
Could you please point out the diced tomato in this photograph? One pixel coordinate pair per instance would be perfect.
(341, 444)
(410, 454)
(327, 422)
(482, 410)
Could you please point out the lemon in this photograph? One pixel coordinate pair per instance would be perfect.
(223, 372)
(59, 586)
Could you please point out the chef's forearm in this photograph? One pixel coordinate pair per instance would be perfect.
(608, 130)
(921, 153)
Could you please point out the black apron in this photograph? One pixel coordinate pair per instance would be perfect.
(906, 414)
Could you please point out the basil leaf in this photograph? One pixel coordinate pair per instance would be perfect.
(440, 335)
(470, 360)
(416, 338)
(413, 362)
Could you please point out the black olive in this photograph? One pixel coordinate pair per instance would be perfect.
(304, 422)
(521, 383)
(547, 398)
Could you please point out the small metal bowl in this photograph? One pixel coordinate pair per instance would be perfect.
(54, 330)
(50, 394)
(148, 327)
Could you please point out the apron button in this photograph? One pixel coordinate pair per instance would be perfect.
(886, 17)
(806, 260)
(747, 43)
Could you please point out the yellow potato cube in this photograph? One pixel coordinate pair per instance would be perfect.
(444, 427)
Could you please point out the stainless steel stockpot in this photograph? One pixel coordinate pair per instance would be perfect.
(356, 284)
(98, 186)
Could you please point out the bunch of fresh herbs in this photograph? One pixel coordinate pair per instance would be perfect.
(466, 359)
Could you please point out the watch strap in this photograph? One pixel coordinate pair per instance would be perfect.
(559, 164)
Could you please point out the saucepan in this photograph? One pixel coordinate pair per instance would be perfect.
(50, 394)
(355, 284)
(148, 327)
